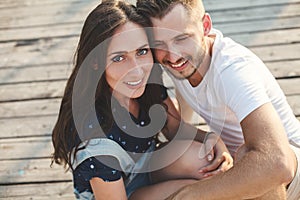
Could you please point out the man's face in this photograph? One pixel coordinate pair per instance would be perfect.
(179, 42)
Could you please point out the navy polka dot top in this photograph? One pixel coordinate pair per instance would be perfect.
(92, 167)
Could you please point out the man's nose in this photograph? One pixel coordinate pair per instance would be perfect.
(173, 54)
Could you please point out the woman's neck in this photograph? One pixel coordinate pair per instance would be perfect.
(130, 104)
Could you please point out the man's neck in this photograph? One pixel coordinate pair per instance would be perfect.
(198, 76)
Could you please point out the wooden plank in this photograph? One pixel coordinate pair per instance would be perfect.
(275, 37)
(29, 148)
(63, 190)
(283, 69)
(29, 108)
(30, 3)
(255, 13)
(41, 32)
(258, 26)
(29, 171)
(38, 52)
(35, 90)
(290, 86)
(32, 74)
(42, 15)
(220, 5)
(27, 126)
(277, 53)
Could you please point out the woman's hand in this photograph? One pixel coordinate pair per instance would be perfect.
(216, 152)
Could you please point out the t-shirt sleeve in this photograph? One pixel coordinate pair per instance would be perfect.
(92, 167)
(243, 88)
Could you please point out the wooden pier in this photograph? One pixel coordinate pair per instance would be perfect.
(37, 43)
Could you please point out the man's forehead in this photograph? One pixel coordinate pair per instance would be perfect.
(173, 23)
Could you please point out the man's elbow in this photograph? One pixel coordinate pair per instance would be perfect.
(285, 169)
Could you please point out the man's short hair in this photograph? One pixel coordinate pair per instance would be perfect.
(159, 8)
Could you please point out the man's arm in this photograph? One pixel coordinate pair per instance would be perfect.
(268, 162)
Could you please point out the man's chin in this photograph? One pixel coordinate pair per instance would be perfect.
(181, 76)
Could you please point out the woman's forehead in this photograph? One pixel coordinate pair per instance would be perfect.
(127, 37)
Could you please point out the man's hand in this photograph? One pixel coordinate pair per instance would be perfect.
(216, 152)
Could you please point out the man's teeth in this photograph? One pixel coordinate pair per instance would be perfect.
(179, 64)
(134, 83)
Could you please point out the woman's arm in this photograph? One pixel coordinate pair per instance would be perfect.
(114, 190)
(213, 149)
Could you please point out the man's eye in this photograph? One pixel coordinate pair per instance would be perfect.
(181, 38)
(117, 58)
(141, 52)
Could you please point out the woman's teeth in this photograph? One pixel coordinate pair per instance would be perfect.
(134, 83)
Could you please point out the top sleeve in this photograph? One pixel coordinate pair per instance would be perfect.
(92, 167)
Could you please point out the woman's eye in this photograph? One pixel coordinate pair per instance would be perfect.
(117, 58)
(141, 52)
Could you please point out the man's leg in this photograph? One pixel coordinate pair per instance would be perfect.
(278, 193)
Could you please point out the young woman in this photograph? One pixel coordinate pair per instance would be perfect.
(104, 131)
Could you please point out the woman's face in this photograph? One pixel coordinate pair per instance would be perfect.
(129, 61)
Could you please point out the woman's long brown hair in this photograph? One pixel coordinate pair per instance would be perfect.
(99, 26)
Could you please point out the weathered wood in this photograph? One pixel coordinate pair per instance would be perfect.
(63, 190)
(27, 126)
(30, 171)
(275, 37)
(258, 26)
(220, 5)
(255, 13)
(35, 90)
(45, 15)
(33, 74)
(277, 53)
(290, 86)
(29, 108)
(29, 148)
(284, 69)
(38, 52)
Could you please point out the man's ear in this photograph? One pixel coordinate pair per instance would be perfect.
(207, 24)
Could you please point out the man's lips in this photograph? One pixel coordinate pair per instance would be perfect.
(179, 66)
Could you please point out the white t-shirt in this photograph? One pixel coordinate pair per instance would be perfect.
(236, 83)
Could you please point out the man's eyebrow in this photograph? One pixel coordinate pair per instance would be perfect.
(158, 41)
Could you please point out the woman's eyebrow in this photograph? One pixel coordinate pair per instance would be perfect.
(123, 52)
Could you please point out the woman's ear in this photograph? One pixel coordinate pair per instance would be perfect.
(207, 24)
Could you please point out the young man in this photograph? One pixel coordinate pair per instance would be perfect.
(237, 96)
